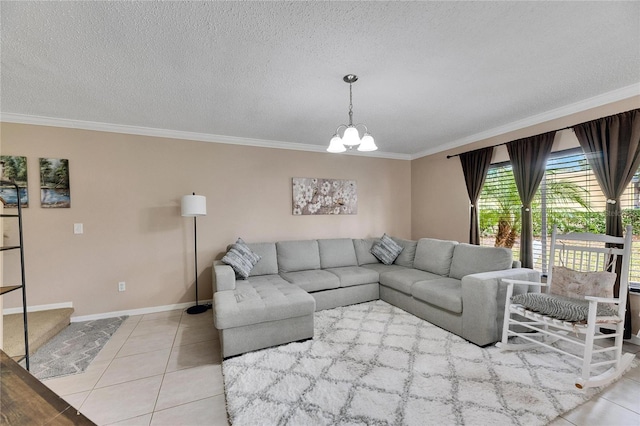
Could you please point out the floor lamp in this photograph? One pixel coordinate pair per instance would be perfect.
(194, 206)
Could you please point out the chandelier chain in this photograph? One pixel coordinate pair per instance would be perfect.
(350, 106)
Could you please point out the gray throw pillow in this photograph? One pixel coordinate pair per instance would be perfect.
(386, 250)
(241, 259)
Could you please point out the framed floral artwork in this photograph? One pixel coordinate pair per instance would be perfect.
(313, 196)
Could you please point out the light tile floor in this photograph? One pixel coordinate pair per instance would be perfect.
(157, 369)
(165, 369)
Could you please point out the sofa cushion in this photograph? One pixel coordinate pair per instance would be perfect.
(408, 253)
(241, 258)
(445, 293)
(363, 251)
(472, 259)
(336, 253)
(268, 264)
(298, 255)
(434, 256)
(312, 280)
(403, 279)
(381, 267)
(260, 299)
(354, 275)
(386, 250)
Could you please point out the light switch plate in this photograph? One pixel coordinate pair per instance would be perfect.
(78, 228)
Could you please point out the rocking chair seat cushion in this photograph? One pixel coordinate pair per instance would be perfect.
(560, 307)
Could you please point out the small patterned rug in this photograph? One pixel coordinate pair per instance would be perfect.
(72, 350)
(373, 363)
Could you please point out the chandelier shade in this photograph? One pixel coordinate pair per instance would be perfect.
(367, 143)
(335, 145)
(351, 136)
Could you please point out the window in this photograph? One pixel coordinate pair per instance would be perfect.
(569, 197)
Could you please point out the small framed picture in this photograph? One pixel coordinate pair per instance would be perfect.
(55, 192)
(14, 169)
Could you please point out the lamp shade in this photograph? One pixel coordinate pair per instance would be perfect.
(336, 145)
(367, 144)
(194, 205)
(351, 136)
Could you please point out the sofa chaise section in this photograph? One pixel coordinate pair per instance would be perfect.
(262, 312)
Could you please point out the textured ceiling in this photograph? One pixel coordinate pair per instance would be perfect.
(432, 74)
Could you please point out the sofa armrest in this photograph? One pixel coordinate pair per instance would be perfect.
(224, 278)
(483, 299)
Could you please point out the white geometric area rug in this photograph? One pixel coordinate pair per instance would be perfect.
(373, 363)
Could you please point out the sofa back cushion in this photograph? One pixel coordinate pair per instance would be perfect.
(408, 253)
(363, 251)
(336, 253)
(472, 259)
(434, 256)
(268, 263)
(298, 255)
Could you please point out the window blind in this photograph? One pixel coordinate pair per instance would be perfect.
(569, 197)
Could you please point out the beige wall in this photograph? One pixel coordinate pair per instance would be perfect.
(439, 200)
(126, 191)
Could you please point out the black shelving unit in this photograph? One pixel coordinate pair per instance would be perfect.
(9, 288)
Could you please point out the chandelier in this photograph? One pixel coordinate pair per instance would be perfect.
(351, 137)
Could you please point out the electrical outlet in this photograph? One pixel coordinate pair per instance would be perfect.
(122, 286)
(78, 228)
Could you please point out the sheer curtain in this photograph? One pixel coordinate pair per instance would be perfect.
(612, 147)
(529, 159)
(475, 165)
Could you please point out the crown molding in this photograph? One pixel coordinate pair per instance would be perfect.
(178, 134)
(586, 104)
(594, 102)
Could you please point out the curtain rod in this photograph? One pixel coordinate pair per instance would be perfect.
(504, 143)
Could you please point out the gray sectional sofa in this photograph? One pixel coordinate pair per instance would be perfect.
(452, 285)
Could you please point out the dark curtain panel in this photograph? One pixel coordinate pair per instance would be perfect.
(612, 147)
(475, 165)
(529, 160)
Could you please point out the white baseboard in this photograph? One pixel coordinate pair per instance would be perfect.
(36, 308)
(141, 311)
(634, 340)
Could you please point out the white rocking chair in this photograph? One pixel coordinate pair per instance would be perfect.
(582, 252)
